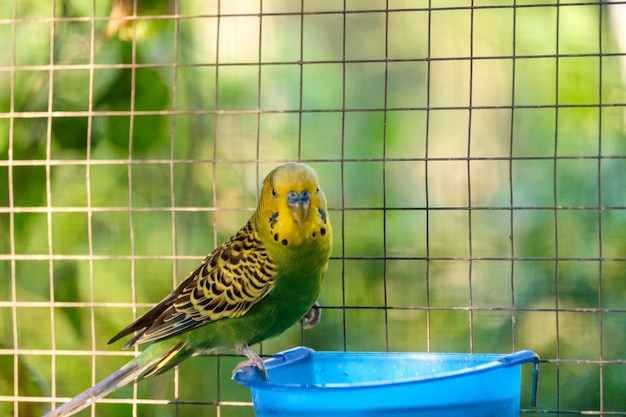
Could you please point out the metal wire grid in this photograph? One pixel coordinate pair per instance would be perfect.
(339, 167)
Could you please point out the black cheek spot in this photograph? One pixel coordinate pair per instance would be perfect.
(323, 231)
(284, 242)
(273, 219)
(276, 237)
(322, 214)
(313, 234)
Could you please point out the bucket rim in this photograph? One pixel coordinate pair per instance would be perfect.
(251, 377)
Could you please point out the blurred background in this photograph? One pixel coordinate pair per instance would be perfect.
(473, 154)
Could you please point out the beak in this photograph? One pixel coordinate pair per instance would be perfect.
(299, 205)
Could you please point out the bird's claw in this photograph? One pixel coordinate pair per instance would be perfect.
(253, 360)
(249, 364)
(312, 317)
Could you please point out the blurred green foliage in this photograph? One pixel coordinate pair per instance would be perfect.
(462, 223)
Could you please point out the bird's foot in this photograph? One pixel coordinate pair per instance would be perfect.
(253, 360)
(312, 317)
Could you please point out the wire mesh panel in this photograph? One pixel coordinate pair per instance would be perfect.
(473, 154)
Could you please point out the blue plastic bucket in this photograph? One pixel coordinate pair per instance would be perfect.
(306, 383)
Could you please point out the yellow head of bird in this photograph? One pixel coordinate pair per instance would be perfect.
(292, 206)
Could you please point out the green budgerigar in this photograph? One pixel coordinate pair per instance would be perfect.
(254, 286)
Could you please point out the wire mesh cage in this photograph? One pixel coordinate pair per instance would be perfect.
(473, 153)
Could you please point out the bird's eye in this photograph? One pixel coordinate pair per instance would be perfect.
(317, 190)
(274, 193)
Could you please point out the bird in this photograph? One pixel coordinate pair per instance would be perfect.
(254, 286)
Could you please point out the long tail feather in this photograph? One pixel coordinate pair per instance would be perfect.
(128, 373)
(155, 359)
